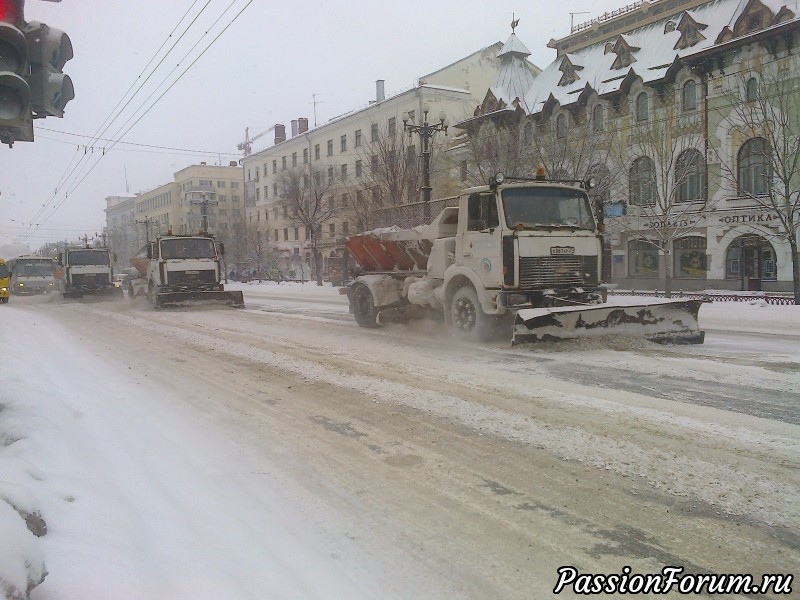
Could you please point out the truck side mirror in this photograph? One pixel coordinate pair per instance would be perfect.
(222, 249)
(114, 257)
(149, 252)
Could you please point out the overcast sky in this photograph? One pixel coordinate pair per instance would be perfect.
(265, 68)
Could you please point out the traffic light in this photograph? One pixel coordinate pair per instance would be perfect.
(16, 123)
(48, 50)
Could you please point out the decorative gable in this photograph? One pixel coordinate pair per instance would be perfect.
(755, 17)
(624, 52)
(569, 70)
(690, 32)
(784, 14)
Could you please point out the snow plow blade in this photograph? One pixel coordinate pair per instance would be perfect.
(171, 299)
(672, 321)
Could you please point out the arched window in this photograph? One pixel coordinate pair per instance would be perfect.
(642, 259)
(751, 90)
(689, 96)
(561, 126)
(690, 257)
(642, 182)
(642, 107)
(527, 134)
(597, 118)
(690, 176)
(754, 167)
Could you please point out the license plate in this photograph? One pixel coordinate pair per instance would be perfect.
(562, 250)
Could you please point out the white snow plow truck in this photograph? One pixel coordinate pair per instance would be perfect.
(176, 270)
(87, 272)
(521, 251)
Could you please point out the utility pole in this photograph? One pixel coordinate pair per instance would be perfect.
(204, 204)
(146, 224)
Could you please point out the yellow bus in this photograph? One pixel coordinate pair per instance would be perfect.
(5, 282)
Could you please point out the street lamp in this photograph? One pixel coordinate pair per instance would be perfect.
(426, 131)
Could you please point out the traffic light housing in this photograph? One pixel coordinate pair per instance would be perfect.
(16, 124)
(48, 50)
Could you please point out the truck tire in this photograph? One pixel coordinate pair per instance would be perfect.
(467, 318)
(363, 306)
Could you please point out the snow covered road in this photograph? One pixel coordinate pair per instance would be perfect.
(280, 451)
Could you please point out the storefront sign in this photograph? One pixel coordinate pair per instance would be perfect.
(752, 218)
(676, 224)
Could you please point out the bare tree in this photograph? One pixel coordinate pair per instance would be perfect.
(666, 185)
(765, 111)
(308, 194)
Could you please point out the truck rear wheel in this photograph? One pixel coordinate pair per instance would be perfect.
(467, 317)
(363, 306)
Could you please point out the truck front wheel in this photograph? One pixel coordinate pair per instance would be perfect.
(363, 306)
(467, 317)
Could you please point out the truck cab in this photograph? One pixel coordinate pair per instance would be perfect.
(522, 244)
(86, 271)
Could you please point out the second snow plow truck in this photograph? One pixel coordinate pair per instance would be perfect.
(176, 270)
(521, 251)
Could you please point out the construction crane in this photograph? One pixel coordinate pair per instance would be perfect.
(247, 145)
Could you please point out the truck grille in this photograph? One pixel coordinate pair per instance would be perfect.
(90, 279)
(192, 277)
(557, 271)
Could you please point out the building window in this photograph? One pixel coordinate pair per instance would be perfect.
(749, 257)
(344, 201)
(561, 126)
(332, 229)
(330, 147)
(345, 228)
(330, 174)
(376, 196)
(642, 182)
(286, 234)
(642, 259)
(343, 143)
(754, 167)
(690, 176)
(317, 178)
(274, 166)
(690, 257)
(275, 190)
(374, 132)
(527, 134)
(375, 164)
(316, 152)
(294, 159)
(357, 142)
(392, 126)
(751, 90)
(597, 118)
(296, 234)
(642, 107)
(358, 168)
(283, 162)
(689, 96)
(344, 172)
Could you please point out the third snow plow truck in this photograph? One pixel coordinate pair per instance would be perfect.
(176, 270)
(521, 251)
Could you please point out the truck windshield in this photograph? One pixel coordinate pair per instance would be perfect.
(547, 207)
(3, 271)
(188, 248)
(88, 257)
(34, 268)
